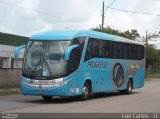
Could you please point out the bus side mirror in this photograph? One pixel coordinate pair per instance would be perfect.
(18, 49)
(68, 52)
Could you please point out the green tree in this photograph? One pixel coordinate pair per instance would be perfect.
(153, 36)
(152, 57)
(151, 54)
(132, 34)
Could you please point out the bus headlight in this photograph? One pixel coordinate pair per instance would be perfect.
(61, 83)
(59, 80)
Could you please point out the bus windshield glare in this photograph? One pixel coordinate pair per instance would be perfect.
(45, 59)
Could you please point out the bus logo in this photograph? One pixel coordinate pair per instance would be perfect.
(118, 75)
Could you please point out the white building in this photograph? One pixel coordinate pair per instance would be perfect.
(7, 59)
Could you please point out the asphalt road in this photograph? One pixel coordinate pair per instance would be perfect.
(146, 99)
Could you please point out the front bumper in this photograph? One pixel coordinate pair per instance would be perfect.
(28, 88)
(58, 91)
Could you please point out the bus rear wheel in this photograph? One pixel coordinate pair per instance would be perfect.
(86, 91)
(47, 98)
(129, 88)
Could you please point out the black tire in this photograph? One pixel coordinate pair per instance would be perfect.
(47, 98)
(129, 88)
(86, 91)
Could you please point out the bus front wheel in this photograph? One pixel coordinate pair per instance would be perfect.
(129, 88)
(86, 91)
(47, 98)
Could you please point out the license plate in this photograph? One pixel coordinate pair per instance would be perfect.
(40, 91)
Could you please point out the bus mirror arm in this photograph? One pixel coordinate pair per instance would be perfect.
(68, 51)
(18, 49)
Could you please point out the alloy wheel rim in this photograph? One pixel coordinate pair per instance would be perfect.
(85, 91)
(129, 87)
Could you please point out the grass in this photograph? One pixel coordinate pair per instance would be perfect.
(9, 87)
(11, 91)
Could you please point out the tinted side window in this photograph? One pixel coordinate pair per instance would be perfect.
(131, 51)
(139, 52)
(75, 56)
(92, 48)
(136, 52)
(125, 50)
(80, 41)
(74, 60)
(105, 49)
(117, 50)
(142, 52)
(112, 49)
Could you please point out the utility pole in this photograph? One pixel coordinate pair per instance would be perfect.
(146, 43)
(103, 15)
(146, 38)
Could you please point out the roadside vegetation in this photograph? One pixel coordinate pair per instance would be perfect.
(153, 76)
(9, 91)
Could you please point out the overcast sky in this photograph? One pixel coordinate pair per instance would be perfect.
(26, 17)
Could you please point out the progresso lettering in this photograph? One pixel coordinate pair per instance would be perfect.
(97, 64)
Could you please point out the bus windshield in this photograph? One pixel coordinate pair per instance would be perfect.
(45, 59)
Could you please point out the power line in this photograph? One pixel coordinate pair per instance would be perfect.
(35, 10)
(103, 15)
(155, 28)
(135, 12)
(110, 5)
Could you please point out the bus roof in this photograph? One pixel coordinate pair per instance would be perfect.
(70, 34)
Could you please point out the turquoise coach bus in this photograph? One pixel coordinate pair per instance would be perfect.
(80, 62)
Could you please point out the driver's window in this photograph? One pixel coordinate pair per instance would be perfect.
(74, 60)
